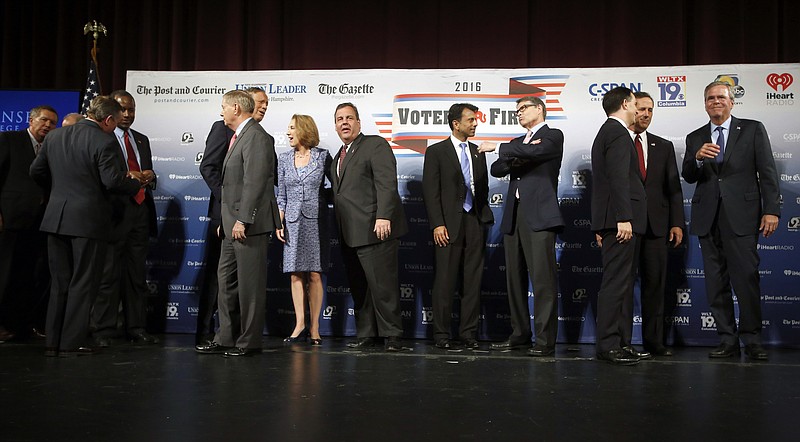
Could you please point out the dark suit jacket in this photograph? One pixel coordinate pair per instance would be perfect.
(617, 190)
(663, 187)
(747, 182)
(366, 191)
(534, 171)
(248, 192)
(21, 199)
(211, 166)
(444, 190)
(122, 203)
(82, 162)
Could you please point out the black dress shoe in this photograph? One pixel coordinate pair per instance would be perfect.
(102, 341)
(143, 338)
(541, 351)
(659, 351)
(640, 355)
(508, 345)
(210, 348)
(393, 344)
(80, 351)
(444, 344)
(755, 352)
(470, 343)
(362, 343)
(725, 351)
(239, 351)
(617, 357)
(37, 333)
(51, 352)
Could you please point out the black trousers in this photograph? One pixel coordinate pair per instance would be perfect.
(372, 273)
(462, 257)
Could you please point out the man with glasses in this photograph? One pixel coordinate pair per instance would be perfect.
(531, 219)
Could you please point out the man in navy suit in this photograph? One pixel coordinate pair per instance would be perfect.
(125, 274)
(531, 220)
(737, 196)
(22, 204)
(83, 164)
(619, 218)
(455, 185)
(665, 223)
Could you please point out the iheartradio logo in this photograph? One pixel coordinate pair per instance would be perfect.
(779, 82)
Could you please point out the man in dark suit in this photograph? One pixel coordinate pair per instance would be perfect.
(211, 169)
(665, 223)
(370, 218)
(737, 195)
(249, 216)
(531, 219)
(455, 185)
(619, 217)
(83, 164)
(124, 272)
(22, 204)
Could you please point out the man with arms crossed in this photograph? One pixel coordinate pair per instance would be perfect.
(531, 219)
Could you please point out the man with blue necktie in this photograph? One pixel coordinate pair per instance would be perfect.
(455, 185)
(737, 196)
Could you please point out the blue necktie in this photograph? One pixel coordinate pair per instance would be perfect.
(721, 144)
(467, 175)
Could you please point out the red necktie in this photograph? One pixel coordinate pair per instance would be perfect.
(133, 165)
(341, 159)
(233, 140)
(640, 153)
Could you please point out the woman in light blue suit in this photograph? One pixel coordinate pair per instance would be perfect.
(301, 173)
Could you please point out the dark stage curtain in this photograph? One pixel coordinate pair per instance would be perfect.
(43, 46)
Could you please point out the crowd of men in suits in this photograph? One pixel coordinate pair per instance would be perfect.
(89, 187)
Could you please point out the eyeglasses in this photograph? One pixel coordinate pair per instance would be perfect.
(522, 108)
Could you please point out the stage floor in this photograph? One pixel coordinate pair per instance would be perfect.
(332, 393)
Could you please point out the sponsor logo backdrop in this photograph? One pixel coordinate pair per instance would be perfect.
(408, 108)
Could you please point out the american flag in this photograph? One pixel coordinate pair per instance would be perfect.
(92, 87)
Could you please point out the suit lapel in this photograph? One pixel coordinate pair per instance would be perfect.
(349, 156)
(455, 158)
(236, 143)
(730, 143)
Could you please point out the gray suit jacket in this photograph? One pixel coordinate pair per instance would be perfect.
(248, 182)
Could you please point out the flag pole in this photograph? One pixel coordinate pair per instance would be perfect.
(93, 87)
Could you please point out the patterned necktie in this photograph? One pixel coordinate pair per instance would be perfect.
(341, 159)
(721, 144)
(640, 154)
(133, 165)
(467, 176)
